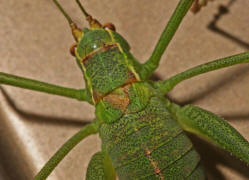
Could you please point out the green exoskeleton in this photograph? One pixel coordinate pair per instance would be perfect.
(142, 132)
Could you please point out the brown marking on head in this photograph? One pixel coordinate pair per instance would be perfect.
(109, 26)
(73, 48)
(86, 58)
(109, 46)
(101, 49)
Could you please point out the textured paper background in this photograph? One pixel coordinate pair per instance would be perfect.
(35, 39)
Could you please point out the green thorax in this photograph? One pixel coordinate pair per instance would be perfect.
(127, 99)
(104, 57)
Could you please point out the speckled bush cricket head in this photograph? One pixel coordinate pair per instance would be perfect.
(102, 54)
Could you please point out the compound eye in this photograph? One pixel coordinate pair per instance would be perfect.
(109, 26)
(73, 49)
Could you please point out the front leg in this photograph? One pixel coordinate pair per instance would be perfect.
(175, 20)
(17, 81)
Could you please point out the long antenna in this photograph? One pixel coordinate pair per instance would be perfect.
(70, 21)
(82, 9)
(92, 22)
(77, 33)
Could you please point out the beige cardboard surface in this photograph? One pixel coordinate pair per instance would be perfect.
(35, 41)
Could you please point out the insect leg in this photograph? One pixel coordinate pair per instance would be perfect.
(167, 85)
(213, 128)
(65, 149)
(79, 94)
(100, 167)
(152, 63)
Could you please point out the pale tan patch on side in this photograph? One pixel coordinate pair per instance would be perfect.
(157, 170)
(119, 100)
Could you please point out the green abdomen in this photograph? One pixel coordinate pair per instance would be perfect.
(150, 145)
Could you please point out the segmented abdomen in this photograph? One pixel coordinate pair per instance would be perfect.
(150, 145)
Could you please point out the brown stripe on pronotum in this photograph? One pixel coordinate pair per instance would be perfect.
(101, 49)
